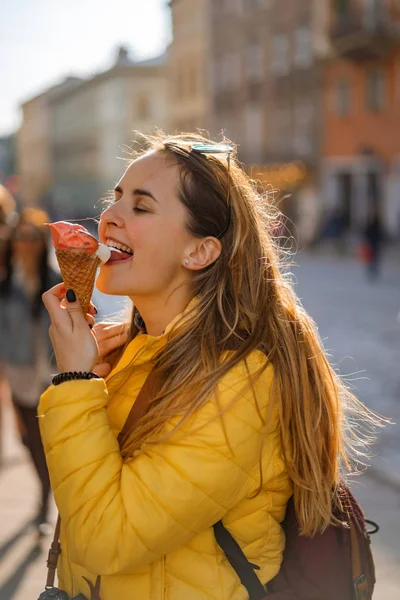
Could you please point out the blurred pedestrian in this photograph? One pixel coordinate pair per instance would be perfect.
(25, 350)
(335, 230)
(6, 212)
(373, 238)
(7, 217)
(4, 233)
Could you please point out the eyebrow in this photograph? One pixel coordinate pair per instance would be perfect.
(137, 192)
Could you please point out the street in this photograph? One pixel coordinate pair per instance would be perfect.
(358, 322)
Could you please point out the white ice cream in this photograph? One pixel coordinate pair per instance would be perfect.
(103, 252)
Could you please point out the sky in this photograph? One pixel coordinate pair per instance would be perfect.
(43, 41)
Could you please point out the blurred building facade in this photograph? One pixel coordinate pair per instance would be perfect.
(266, 88)
(34, 145)
(361, 146)
(308, 89)
(9, 176)
(94, 123)
(8, 157)
(189, 60)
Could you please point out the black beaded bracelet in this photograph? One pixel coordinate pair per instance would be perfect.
(72, 376)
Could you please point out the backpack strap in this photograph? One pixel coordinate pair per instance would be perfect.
(239, 562)
(52, 558)
(147, 392)
(360, 581)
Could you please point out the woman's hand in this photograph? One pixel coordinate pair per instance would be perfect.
(110, 337)
(74, 344)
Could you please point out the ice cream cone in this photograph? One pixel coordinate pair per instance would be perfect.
(78, 271)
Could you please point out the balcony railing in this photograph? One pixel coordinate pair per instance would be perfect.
(359, 35)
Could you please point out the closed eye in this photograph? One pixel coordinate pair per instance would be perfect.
(139, 210)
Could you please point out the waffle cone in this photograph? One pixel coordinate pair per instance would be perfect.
(78, 272)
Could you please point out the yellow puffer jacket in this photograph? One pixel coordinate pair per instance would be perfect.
(145, 525)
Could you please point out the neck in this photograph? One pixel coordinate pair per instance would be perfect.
(158, 311)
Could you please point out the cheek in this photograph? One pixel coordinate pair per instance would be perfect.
(160, 243)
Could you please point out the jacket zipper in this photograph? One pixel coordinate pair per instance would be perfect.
(136, 355)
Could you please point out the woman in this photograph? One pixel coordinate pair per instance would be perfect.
(25, 350)
(246, 409)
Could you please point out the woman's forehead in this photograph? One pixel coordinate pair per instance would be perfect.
(153, 170)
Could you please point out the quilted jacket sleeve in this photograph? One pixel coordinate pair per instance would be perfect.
(120, 516)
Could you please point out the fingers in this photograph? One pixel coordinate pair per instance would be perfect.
(110, 336)
(92, 309)
(90, 320)
(89, 316)
(102, 369)
(105, 330)
(51, 300)
(73, 307)
(58, 291)
(111, 344)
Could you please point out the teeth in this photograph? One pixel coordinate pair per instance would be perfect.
(119, 246)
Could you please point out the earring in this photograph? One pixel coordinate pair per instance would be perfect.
(186, 262)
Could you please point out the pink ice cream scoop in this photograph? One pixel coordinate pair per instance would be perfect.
(77, 239)
(79, 255)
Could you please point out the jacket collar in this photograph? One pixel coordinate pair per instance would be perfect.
(144, 343)
(184, 316)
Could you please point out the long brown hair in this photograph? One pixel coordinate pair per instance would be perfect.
(245, 301)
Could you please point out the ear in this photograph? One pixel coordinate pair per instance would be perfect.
(206, 252)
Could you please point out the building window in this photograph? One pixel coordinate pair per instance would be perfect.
(230, 70)
(375, 90)
(233, 6)
(143, 106)
(254, 134)
(342, 7)
(374, 14)
(303, 55)
(342, 99)
(254, 62)
(280, 54)
(216, 73)
(283, 130)
(192, 80)
(181, 80)
(303, 129)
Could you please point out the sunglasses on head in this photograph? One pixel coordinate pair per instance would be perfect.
(218, 149)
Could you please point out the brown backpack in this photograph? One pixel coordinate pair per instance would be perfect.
(334, 565)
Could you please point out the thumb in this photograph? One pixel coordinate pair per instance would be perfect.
(102, 369)
(74, 309)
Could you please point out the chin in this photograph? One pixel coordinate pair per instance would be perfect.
(112, 286)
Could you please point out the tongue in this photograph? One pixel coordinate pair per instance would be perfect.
(117, 255)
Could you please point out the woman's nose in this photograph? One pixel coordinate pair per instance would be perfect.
(112, 216)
